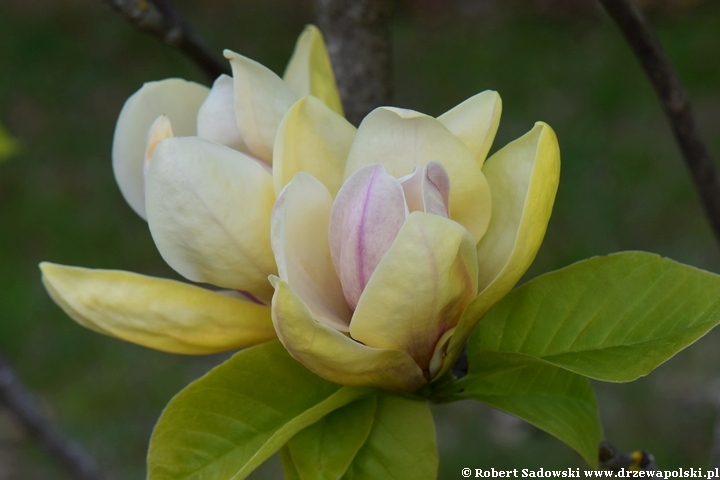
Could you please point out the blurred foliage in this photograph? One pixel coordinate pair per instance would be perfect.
(67, 67)
(8, 145)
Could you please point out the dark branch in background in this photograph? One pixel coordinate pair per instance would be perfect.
(162, 19)
(358, 37)
(20, 403)
(613, 459)
(715, 449)
(675, 102)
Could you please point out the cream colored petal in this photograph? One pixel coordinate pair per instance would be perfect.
(334, 356)
(209, 213)
(157, 313)
(524, 178)
(313, 139)
(309, 71)
(299, 236)
(475, 121)
(216, 120)
(420, 288)
(412, 185)
(261, 101)
(402, 139)
(177, 99)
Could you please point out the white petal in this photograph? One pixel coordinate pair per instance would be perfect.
(216, 119)
(179, 100)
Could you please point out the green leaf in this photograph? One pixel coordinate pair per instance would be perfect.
(324, 450)
(560, 402)
(228, 422)
(401, 444)
(390, 438)
(612, 318)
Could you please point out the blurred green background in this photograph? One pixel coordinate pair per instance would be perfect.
(67, 67)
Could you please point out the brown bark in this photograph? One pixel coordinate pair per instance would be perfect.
(358, 37)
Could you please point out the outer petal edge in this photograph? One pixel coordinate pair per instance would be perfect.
(335, 357)
(542, 186)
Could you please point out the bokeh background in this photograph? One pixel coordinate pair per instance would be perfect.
(67, 67)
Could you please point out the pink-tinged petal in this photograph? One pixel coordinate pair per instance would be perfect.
(216, 118)
(427, 189)
(299, 238)
(419, 290)
(402, 139)
(366, 217)
(436, 189)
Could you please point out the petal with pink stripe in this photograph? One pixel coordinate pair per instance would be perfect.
(366, 217)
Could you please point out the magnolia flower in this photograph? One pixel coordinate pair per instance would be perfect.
(196, 163)
(390, 254)
(384, 245)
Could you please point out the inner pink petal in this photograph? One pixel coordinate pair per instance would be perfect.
(366, 217)
(436, 189)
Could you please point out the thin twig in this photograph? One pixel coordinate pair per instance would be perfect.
(358, 37)
(163, 20)
(613, 459)
(675, 102)
(20, 403)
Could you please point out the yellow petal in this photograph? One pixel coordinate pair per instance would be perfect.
(179, 100)
(216, 118)
(153, 312)
(420, 288)
(402, 139)
(309, 71)
(209, 211)
(313, 139)
(261, 101)
(334, 356)
(300, 242)
(475, 121)
(523, 178)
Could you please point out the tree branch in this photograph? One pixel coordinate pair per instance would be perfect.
(675, 102)
(163, 20)
(20, 403)
(715, 448)
(358, 37)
